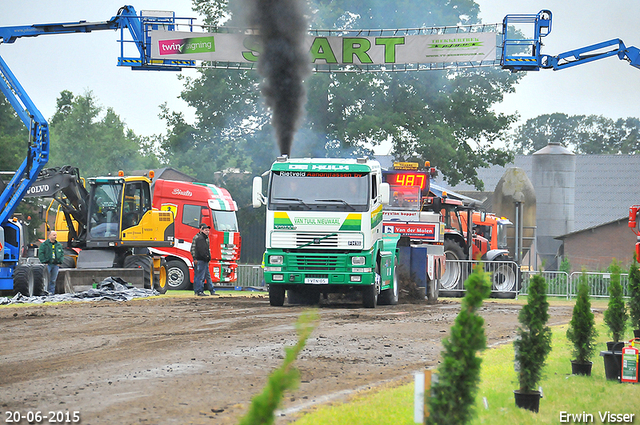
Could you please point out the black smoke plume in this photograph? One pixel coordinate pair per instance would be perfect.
(283, 63)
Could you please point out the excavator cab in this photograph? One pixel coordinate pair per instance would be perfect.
(120, 214)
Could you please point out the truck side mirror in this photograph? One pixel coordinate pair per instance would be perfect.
(256, 194)
(385, 191)
(483, 216)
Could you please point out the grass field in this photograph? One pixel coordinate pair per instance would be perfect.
(562, 391)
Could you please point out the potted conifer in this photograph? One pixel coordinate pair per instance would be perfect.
(582, 330)
(634, 298)
(532, 345)
(615, 317)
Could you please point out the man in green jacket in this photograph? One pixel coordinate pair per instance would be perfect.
(51, 253)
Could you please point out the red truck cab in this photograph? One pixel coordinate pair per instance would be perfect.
(193, 204)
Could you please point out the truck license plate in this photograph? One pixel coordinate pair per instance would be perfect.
(316, 280)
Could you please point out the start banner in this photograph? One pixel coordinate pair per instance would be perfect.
(331, 50)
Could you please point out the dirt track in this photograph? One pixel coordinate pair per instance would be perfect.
(170, 360)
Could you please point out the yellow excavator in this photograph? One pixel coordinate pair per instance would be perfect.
(108, 224)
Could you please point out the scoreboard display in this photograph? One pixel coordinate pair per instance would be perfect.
(396, 178)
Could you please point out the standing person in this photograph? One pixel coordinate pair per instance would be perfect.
(51, 253)
(201, 255)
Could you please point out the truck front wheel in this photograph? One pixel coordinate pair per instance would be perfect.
(178, 275)
(370, 293)
(452, 276)
(276, 295)
(390, 296)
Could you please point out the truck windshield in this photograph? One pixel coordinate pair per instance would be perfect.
(502, 236)
(224, 221)
(320, 191)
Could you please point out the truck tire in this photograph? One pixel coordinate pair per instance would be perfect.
(276, 295)
(145, 263)
(453, 272)
(390, 296)
(40, 279)
(23, 280)
(178, 275)
(370, 292)
(369, 296)
(504, 278)
(160, 280)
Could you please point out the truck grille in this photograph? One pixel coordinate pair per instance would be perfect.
(310, 240)
(324, 262)
(317, 240)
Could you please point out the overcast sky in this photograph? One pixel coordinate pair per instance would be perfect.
(46, 65)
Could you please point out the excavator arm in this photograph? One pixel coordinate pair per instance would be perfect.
(65, 186)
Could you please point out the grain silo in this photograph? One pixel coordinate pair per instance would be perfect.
(554, 180)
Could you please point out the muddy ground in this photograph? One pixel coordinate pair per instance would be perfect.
(188, 360)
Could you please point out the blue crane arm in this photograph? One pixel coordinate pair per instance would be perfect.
(37, 146)
(38, 143)
(522, 52)
(591, 53)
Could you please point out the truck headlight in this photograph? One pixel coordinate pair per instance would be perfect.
(276, 259)
(358, 261)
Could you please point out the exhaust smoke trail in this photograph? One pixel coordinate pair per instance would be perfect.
(283, 63)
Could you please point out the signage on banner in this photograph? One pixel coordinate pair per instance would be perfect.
(424, 231)
(331, 50)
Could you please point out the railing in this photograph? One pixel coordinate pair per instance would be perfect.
(557, 282)
(504, 275)
(599, 284)
(561, 284)
(249, 275)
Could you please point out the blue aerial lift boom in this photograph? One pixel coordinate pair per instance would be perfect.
(524, 54)
(11, 232)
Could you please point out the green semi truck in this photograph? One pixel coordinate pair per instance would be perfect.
(324, 231)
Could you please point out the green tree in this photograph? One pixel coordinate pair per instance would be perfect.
(537, 132)
(459, 372)
(14, 137)
(441, 116)
(584, 134)
(533, 343)
(581, 331)
(94, 139)
(615, 316)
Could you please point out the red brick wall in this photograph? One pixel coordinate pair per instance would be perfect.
(596, 248)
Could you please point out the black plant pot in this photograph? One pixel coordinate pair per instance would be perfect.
(579, 368)
(613, 360)
(529, 401)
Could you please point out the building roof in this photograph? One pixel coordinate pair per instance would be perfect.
(606, 185)
(586, 229)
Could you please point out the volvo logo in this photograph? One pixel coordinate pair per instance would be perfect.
(38, 189)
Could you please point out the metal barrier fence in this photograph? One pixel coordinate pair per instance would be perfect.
(506, 279)
(250, 275)
(557, 282)
(504, 275)
(561, 284)
(599, 283)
